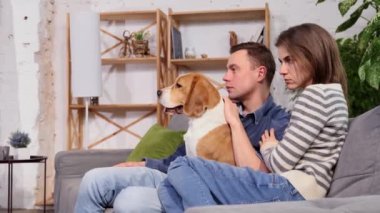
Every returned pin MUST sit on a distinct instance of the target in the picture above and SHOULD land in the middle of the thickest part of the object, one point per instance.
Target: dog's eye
(177, 85)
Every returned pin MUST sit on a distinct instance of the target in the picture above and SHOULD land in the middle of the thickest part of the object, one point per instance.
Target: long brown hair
(315, 48)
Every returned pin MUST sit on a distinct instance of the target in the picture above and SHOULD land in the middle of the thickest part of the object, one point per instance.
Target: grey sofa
(355, 186)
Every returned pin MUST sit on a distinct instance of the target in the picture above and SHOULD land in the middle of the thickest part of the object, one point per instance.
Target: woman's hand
(130, 164)
(231, 112)
(268, 139)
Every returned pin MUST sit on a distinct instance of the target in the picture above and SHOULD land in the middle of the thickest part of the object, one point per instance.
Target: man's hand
(131, 164)
(231, 112)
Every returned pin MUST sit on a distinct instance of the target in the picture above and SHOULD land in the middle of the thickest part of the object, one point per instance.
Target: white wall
(19, 41)
(19, 90)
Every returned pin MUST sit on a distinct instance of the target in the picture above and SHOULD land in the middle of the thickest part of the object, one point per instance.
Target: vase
(190, 53)
(140, 47)
(21, 153)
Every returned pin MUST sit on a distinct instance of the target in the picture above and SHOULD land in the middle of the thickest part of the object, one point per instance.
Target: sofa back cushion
(358, 169)
(179, 122)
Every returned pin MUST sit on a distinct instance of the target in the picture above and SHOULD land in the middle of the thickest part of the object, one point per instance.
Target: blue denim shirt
(269, 115)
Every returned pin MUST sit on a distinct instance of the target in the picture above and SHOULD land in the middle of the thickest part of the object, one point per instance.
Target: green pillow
(157, 143)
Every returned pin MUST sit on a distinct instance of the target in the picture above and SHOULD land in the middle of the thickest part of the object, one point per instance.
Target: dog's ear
(212, 93)
(202, 95)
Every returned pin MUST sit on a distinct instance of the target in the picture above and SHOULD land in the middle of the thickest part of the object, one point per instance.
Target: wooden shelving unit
(159, 58)
(166, 67)
(200, 62)
(176, 19)
(130, 107)
(113, 61)
(218, 15)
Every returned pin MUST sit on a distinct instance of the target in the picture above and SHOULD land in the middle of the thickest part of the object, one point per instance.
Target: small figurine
(190, 53)
(233, 38)
(126, 50)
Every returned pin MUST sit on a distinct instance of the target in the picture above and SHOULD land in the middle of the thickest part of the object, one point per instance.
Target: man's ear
(261, 73)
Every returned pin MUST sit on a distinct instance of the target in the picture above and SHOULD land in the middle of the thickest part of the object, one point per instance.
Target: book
(176, 43)
(260, 38)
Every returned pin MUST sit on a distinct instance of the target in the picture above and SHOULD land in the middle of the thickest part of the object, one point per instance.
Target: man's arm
(245, 154)
(163, 164)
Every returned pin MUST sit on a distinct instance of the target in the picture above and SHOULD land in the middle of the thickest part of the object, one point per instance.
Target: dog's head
(191, 94)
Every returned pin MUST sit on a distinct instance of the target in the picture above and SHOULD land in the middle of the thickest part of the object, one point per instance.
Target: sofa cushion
(358, 169)
(157, 143)
(360, 204)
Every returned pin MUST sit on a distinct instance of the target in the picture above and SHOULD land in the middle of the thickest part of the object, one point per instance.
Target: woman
(302, 163)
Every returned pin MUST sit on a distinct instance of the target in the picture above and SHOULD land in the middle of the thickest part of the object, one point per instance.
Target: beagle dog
(208, 135)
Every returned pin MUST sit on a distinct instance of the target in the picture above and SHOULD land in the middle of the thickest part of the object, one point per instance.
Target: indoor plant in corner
(19, 141)
(361, 54)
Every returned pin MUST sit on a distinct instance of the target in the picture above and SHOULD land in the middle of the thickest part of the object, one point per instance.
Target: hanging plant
(19, 139)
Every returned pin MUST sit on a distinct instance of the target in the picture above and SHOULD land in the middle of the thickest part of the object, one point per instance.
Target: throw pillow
(157, 143)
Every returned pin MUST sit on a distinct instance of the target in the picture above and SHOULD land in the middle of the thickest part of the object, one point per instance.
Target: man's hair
(315, 50)
(259, 55)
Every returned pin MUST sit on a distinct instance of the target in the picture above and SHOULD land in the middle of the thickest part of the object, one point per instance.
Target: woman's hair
(259, 55)
(315, 50)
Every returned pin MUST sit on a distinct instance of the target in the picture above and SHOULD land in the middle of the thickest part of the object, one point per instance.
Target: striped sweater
(307, 154)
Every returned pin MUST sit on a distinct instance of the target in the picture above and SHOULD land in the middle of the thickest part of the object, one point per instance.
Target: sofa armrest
(78, 162)
(70, 166)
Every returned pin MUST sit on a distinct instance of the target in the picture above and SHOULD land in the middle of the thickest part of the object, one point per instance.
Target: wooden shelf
(201, 62)
(150, 20)
(219, 15)
(176, 19)
(142, 60)
(125, 15)
(130, 107)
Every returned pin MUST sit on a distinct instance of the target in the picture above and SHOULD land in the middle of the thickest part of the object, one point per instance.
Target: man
(133, 188)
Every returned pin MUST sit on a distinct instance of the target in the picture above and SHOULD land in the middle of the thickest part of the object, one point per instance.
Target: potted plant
(361, 55)
(140, 43)
(19, 141)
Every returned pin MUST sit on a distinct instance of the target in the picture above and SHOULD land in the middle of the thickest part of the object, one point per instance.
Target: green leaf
(369, 69)
(376, 2)
(362, 70)
(370, 72)
(372, 51)
(345, 5)
(361, 96)
(373, 75)
(371, 30)
(353, 18)
(320, 1)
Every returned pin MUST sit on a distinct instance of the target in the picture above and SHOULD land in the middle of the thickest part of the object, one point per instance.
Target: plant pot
(21, 153)
(140, 47)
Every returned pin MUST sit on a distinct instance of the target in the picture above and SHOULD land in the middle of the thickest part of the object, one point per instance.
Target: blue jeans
(197, 182)
(127, 189)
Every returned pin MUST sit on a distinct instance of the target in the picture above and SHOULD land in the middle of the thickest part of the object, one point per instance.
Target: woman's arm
(309, 117)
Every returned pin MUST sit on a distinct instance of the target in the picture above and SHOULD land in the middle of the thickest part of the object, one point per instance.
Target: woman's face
(295, 74)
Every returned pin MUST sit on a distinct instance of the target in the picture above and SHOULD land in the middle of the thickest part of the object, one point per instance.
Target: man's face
(241, 76)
